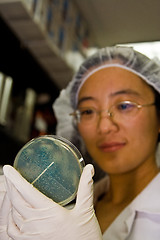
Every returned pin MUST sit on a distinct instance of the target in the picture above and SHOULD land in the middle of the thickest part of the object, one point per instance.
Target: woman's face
(123, 145)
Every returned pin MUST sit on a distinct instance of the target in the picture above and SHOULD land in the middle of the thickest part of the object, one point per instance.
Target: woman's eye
(125, 106)
(87, 111)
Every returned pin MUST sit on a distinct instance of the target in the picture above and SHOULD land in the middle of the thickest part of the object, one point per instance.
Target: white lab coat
(138, 221)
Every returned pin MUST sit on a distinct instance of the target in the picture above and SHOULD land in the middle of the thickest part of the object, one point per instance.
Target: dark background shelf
(17, 62)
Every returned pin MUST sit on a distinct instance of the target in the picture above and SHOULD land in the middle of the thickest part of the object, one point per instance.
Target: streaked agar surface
(53, 165)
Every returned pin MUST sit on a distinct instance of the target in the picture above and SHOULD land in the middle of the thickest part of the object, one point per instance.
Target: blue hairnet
(123, 57)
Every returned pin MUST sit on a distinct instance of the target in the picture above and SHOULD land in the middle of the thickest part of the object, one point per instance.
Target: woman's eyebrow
(121, 92)
(125, 92)
(85, 99)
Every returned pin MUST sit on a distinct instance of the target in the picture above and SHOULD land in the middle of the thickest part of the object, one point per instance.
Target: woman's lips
(111, 147)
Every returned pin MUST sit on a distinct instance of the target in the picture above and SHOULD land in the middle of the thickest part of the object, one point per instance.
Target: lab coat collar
(148, 201)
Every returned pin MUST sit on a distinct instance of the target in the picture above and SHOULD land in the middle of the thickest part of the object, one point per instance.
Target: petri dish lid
(53, 165)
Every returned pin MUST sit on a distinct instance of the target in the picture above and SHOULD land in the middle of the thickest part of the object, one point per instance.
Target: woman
(114, 103)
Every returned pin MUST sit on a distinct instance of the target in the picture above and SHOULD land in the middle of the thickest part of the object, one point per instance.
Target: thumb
(85, 189)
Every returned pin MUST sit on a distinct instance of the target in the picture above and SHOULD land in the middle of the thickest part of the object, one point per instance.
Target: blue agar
(53, 165)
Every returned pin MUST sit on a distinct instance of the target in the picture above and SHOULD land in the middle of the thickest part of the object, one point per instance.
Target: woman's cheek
(86, 132)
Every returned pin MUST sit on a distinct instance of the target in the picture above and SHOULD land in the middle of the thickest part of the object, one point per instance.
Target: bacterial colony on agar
(53, 165)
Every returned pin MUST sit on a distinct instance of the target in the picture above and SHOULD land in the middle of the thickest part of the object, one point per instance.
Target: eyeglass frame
(77, 115)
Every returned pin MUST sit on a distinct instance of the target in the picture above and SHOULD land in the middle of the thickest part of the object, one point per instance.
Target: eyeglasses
(121, 111)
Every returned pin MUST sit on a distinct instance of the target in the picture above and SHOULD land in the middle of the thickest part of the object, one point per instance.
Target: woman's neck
(126, 186)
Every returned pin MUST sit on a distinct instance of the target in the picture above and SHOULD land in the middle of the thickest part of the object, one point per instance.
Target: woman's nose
(106, 123)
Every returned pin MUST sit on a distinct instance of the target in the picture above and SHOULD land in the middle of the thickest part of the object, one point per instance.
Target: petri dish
(53, 165)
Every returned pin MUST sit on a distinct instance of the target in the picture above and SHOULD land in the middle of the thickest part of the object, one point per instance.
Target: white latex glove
(36, 217)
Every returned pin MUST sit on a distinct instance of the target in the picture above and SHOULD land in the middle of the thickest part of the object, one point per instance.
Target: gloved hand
(34, 216)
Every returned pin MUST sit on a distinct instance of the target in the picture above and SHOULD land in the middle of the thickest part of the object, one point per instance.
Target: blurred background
(42, 44)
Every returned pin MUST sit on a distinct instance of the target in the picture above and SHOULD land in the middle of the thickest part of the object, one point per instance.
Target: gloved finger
(31, 195)
(45, 222)
(17, 200)
(14, 232)
(28, 229)
(4, 210)
(17, 218)
(23, 210)
(4, 215)
(85, 189)
(39, 220)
